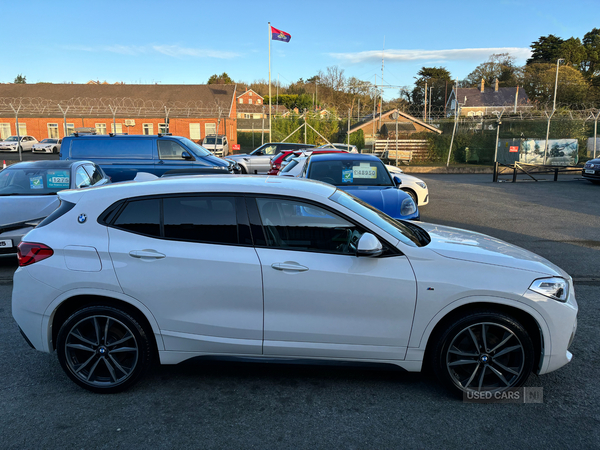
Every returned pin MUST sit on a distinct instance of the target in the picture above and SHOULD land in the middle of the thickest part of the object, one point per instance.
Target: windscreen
(349, 172)
(34, 181)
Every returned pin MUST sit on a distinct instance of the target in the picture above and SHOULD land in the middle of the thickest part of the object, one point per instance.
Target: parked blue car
(365, 177)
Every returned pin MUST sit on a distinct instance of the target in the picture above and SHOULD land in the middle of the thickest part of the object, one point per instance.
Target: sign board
(403, 155)
(514, 149)
(561, 152)
(236, 147)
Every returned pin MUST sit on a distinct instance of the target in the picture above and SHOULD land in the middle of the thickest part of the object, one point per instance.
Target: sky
(185, 42)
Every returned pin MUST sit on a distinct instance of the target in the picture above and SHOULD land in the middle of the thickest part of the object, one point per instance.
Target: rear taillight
(31, 252)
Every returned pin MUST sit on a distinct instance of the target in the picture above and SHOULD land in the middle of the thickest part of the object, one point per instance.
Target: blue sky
(176, 42)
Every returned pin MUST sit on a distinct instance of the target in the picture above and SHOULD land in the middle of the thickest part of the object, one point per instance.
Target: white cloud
(174, 51)
(178, 52)
(475, 54)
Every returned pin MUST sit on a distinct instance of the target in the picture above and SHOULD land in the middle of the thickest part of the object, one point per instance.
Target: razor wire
(105, 106)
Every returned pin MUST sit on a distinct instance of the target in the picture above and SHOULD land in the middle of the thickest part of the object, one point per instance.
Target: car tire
(54, 150)
(483, 351)
(103, 349)
(243, 170)
(412, 195)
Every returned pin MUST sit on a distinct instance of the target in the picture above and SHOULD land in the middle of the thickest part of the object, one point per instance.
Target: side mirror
(186, 155)
(397, 181)
(369, 245)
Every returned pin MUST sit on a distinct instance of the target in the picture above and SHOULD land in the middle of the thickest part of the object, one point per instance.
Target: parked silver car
(28, 194)
(258, 162)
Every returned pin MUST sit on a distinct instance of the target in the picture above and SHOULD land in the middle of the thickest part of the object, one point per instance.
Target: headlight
(423, 185)
(408, 207)
(556, 288)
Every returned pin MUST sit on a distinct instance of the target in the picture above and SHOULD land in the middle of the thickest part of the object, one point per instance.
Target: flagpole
(270, 140)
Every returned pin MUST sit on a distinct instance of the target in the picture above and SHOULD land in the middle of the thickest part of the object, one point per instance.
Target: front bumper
(591, 174)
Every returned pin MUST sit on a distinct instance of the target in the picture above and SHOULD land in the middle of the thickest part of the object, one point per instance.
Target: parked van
(123, 156)
(217, 144)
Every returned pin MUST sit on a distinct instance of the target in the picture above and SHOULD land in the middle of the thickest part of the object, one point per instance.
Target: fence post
(495, 178)
(514, 173)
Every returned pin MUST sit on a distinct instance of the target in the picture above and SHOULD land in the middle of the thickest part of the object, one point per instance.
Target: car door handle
(291, 266)
(146, 254)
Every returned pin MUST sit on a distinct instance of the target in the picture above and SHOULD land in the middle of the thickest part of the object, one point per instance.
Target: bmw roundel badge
(82, 218)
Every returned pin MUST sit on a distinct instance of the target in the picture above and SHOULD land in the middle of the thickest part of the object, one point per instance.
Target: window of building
(4, 130)
(295, 225)
(22, 129)
(163, 128)
(258, 101)
(119, 128)
(100, 128)
(141, 216)
(70, 129)
(148, 128)
(195, 132)
(249, 101)
(241, 100)
(210, 128)
(250, 94)
(201, 219)
(247, 116)
(53, 130)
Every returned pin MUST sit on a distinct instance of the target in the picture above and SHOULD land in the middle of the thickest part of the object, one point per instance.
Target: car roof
(337, 156)
(257, 184)
(46, 164)
(124, 136)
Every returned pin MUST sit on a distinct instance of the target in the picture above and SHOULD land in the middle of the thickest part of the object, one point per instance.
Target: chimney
(482, 85)
(516, 99)
(496, 85)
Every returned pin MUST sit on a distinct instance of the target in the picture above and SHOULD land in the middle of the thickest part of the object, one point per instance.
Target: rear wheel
(483, 351)
(103, 349)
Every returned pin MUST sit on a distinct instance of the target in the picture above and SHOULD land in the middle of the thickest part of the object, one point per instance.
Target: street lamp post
(558, 61)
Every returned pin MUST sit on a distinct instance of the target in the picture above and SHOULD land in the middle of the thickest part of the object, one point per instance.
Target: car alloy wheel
(103, 349)
(484, 352)
(412, 195)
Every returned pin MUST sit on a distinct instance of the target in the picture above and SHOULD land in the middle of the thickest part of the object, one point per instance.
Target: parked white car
(10, 144)
(47, 146)
(280, 268)
(413, 186)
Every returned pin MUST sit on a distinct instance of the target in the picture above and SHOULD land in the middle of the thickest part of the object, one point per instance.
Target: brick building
(53, 110)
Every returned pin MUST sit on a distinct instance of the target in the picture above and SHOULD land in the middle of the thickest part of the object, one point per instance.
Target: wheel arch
(529, 322)
(70, 305)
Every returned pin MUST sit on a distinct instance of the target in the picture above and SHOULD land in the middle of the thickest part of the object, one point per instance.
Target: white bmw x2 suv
(280, 268)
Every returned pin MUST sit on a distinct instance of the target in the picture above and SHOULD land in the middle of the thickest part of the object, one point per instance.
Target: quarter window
(293, 225)
(201, 219)
(94, 173)
(82, 179)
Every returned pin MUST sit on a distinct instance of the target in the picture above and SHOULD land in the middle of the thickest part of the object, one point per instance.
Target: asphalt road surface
(203, 404)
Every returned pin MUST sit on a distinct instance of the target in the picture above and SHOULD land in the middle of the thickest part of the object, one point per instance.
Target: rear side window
(140, 216)
(111, 148)
(62, 209)
(201, 219)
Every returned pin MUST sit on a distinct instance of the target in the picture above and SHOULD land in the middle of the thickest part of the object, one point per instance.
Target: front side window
(267, 150)
(295, 225)
(201, 219)
(168, 149)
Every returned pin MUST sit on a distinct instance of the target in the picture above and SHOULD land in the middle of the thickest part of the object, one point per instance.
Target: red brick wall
(38, 127)
(246, 96)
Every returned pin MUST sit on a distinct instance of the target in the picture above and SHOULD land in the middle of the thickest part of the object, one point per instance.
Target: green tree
(539, 80)
(591, 65)
(20, 79)
(573, 52)
(545, 50)
(500, 66)
(437, 78)
(220, 79)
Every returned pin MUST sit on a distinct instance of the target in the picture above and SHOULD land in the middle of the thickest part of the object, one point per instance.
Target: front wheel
(103, 349)
(412, 195)
(483, 351)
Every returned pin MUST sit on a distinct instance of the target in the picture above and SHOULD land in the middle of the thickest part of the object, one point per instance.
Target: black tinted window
(141, 216)
(295, 225)
(201, 219)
